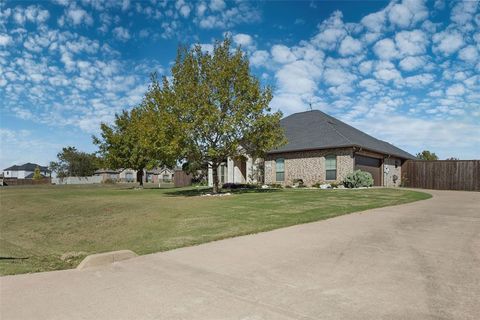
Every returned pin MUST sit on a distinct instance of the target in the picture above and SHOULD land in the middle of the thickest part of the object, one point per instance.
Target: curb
(105, 258)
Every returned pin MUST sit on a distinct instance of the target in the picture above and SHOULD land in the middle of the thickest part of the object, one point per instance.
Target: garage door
(372, 165)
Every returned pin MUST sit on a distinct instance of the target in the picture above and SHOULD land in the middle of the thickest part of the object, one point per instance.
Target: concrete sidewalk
(414, 261)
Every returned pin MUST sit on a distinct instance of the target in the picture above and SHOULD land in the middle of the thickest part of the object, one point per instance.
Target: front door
(372, 165)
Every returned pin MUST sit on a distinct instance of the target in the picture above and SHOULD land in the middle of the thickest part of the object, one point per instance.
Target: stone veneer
(309, 165)
(392, 166)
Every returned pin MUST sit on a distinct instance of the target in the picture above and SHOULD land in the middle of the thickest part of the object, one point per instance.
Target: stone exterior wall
(308, 165)
(392, 167)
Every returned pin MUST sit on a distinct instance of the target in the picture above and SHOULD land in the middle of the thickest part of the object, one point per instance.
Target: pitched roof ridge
(332, 125)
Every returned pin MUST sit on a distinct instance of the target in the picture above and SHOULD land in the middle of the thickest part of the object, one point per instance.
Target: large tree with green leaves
(74, 163)
(123, 145)
(215, 108)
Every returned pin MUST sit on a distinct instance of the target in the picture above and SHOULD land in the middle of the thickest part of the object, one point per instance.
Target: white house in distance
(25, 171)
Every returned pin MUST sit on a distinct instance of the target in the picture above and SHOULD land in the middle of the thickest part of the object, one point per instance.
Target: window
(331, 167)
(222, 173)
(280, 169)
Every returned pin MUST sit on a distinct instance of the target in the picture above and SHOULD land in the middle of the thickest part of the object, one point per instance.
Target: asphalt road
(414, 261)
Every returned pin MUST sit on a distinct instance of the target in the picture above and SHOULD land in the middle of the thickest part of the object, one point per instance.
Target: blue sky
(404, 71)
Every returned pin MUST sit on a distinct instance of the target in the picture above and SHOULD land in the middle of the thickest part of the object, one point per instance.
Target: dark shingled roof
(314, 129)
(27, 167)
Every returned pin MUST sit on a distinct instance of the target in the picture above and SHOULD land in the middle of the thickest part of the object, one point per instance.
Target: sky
(407, 72)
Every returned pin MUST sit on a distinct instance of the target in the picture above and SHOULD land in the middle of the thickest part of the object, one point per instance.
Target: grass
(40, 224)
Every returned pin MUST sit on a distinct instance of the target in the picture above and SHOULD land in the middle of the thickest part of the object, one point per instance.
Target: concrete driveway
(414, 261)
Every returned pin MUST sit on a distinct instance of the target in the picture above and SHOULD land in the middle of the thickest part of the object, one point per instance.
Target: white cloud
(298, 77)
(77, 16)
(469, 54)
(217, 5)
(332, 31)
(218, 15)
(463, 12)
(411, 42)
(412, 63)
(386, 71)
(419, 80)
(385, 49)
(282, 54)
(365, 67)
(374, 22)
(336, 77)
(259, 58)
(5, 40)
(408, 13)
(350, 46)
(121, 34)
(456, 90)
(448, 42)
(33, 14)
(243, 40)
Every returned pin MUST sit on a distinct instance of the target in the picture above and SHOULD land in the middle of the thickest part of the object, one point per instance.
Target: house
(156, 175)
(107, 175)
(320, 148)
(25, 171)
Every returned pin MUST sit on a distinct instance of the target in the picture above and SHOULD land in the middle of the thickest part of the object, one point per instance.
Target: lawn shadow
(203, 191)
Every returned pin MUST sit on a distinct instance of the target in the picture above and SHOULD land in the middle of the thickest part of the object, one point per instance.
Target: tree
(452, 158)
(427, 155)
(214, 108)
(74, 163)
(123, 144)
(36, 174)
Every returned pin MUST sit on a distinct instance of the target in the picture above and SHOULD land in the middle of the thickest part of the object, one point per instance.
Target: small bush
(288, 187)
(316, 185)
(336, 184)
(109, 181)
(298, 183)
(358, 179)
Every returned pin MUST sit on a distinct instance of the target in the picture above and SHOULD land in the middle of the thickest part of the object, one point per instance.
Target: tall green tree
(426, 155)
(74, 163)
(123, 144)
(215, 108)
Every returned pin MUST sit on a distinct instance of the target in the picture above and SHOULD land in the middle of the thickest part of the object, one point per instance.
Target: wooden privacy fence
(182, 179)
(442, 174)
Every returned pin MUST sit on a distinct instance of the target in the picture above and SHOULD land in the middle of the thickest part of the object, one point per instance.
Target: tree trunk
(140, 177)
(215, 177)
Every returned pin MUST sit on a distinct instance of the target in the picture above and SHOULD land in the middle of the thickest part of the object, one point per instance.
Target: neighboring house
(155, 175)
(25, 171)
(107, 174)
(321, 149)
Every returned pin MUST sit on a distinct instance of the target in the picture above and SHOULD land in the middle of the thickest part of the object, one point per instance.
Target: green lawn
(40, 224)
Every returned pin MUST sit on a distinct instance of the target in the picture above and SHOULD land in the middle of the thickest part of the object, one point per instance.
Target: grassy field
(54, 227)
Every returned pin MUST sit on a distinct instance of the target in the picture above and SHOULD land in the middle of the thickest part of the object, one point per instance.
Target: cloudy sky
(407, 72)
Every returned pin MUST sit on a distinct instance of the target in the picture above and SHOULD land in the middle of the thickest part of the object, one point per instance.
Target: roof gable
(317, 130)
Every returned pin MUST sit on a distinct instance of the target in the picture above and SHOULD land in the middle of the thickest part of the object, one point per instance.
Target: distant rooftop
(27, 167)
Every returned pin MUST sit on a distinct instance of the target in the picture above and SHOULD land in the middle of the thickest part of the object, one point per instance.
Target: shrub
(316, 185)
(358, 179)
(336, 184)
(298, 183)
